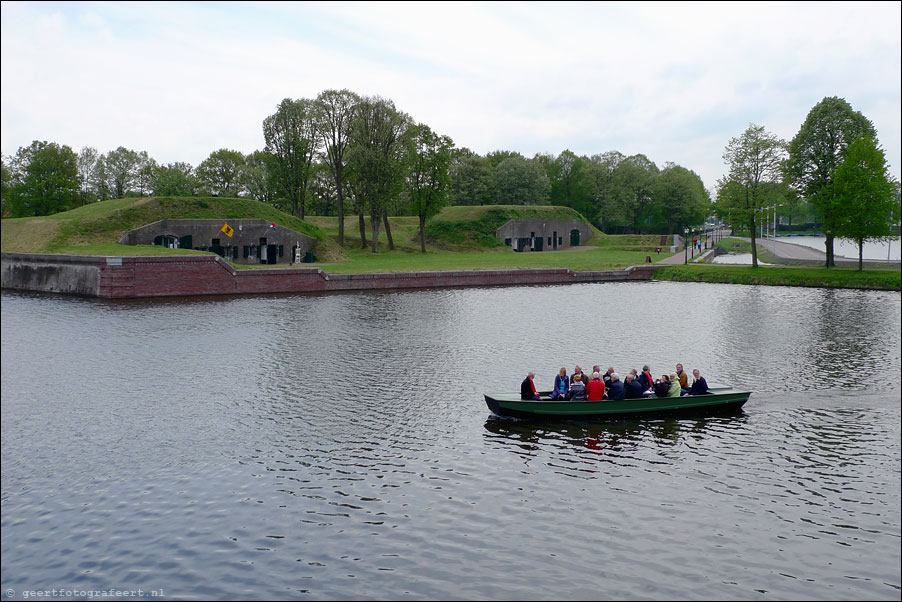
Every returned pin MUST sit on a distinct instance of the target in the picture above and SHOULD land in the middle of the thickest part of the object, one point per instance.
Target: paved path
(793, 253)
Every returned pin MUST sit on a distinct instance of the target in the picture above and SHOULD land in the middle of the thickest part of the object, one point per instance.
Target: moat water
(338, 447)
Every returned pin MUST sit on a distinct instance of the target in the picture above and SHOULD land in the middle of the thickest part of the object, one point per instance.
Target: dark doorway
(554, 244)
(540, 243)
(186, 242)
(272, 254)
(574, 238)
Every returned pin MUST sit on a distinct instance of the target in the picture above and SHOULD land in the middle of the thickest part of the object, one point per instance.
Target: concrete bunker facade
(543, 234)
(242, 241)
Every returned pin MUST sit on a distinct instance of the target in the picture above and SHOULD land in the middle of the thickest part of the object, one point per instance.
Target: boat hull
(721, 400)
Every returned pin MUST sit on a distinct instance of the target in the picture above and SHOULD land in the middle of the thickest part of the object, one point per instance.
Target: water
(338, 447)
(736, 259)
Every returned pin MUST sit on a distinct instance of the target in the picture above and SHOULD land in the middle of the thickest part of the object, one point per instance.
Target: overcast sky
(672, 81)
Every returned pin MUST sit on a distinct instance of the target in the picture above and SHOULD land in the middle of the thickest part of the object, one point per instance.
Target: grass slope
(97, 228)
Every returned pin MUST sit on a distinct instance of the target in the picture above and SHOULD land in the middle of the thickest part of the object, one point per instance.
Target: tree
(681, 197)
(631, 192)
(120, 168)
(257, 177)
(817, 150)
(87, 162)
(174, 179)
(222, 172)
(518, 181)
(43, 179)
(571, 183)
(333, 110)
(376, 157)
(755, 160)
(866, 193)
(429, 156)
(291, 138)
(471, 179)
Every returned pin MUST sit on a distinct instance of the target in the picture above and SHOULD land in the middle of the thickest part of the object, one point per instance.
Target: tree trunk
(423, 233)
(361, 221)
(829, 248)
(374, 230)
(754, 246)
(341, 213)
(391, 242)
(860, 254)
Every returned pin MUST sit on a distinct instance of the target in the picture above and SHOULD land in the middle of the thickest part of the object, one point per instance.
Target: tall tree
(429, 156)
(291, 138)
(866, 193)
(87, 161)
(121, 167)
(174, 179)
(755, 160)
(518, 181)
(44, 179)
(681, 197)
(222, 172)
(257, 177)
(333, 110)
(571, 183)
(376, 156)
(471, 179)
(632, 191)
(817, 150)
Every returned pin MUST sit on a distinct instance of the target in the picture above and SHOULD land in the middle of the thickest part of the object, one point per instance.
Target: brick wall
(135, 277)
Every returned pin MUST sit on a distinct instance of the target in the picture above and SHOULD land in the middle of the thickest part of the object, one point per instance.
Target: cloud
(673, 81)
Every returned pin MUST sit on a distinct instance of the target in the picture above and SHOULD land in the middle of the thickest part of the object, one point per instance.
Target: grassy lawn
(784, 276)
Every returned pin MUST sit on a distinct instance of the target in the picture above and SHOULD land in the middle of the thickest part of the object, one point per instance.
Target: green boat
(719, 399)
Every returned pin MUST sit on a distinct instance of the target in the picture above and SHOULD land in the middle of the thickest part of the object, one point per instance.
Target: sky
(673, 81)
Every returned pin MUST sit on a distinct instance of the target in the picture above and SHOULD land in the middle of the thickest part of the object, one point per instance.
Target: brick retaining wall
(136, 277)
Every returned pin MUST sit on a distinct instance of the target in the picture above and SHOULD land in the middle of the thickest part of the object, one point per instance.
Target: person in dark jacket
(578, 388)
(645, 378)
(528, 387)
(616, 390)
(634, 388)
(662, 386)
(699, 385)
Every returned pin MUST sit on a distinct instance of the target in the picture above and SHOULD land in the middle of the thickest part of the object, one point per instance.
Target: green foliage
(222, 172)
(518, 181)
(866, 194)
(291, 139)
(43, 180)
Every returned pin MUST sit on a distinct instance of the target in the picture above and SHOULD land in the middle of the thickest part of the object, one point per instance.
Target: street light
(686, 245)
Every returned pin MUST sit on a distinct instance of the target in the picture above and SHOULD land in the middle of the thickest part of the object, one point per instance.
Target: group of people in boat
(609, 386)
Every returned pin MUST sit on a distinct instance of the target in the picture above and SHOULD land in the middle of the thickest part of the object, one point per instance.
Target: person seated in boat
(645, 378)
(561, 386)
(675, 389)
(595, 388)
(634, 389)
(578, 371)
(606, 377)
(528, 387)
(699, 384)
(684, 379)
(662, 386)
(616, 392)
(578, 388)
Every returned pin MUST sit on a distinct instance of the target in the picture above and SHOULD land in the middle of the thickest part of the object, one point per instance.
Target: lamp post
(686, 245)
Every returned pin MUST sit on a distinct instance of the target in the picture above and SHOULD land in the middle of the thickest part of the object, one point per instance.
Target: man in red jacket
(595, 388)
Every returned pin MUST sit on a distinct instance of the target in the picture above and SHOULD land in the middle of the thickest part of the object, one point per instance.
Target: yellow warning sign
(227, 230)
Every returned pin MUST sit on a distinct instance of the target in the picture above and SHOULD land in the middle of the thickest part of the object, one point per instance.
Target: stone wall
(542, 235)
(140, 277)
